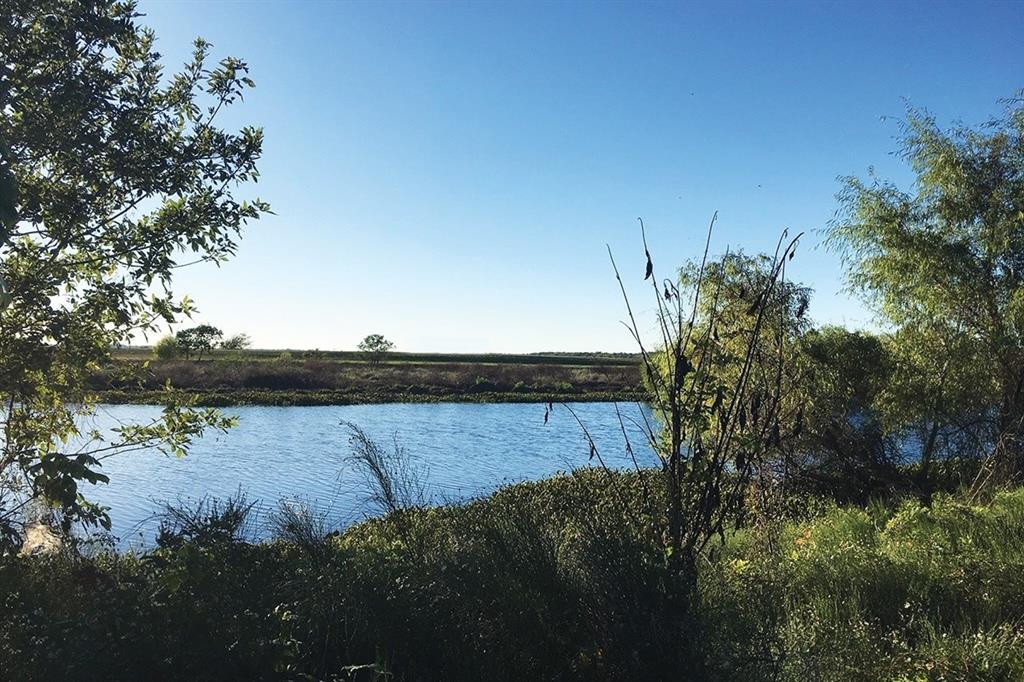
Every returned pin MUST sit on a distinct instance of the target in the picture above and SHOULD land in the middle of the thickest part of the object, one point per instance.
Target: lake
(299, 454)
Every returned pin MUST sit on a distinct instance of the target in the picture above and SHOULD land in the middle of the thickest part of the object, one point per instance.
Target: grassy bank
(313, 378)
(558, 579)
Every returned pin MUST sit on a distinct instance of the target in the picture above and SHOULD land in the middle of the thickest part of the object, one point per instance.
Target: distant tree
(943, 266)
(114, 173)
(375, 347)
(167, 348)
(198, 340)
(236, 342)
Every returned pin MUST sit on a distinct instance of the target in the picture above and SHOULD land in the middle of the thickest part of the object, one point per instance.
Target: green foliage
(743, 305)
(721, 387)
(375, 347)
(904, 592)
(562, 579)
(846, 370)
(847, 448)
(198, 340)
(943, 264)
(167, 348)
(112, 174)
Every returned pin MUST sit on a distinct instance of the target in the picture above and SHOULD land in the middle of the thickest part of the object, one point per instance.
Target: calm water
(298, 453)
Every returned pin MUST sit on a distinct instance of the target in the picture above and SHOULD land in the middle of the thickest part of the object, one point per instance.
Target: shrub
(208, 521)
(167, 348)
(483, 385)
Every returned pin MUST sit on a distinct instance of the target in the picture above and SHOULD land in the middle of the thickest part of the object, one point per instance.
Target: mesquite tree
(943, 266)
(198, 340)
(375, 347)
(113, 174)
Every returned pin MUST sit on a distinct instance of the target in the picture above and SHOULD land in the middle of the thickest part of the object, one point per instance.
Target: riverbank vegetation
(560, 579)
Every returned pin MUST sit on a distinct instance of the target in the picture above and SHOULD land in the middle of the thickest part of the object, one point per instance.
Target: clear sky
(449, 174)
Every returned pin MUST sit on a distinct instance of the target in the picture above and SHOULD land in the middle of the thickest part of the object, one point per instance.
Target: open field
(340, 378)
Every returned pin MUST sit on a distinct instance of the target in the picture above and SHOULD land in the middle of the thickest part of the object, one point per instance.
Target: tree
(375, 347)
(236, 342)
(112, 175)
(943, 266)
(727, 292)
(848, 449)
(198, 340)
(714, 385)
(167, 348)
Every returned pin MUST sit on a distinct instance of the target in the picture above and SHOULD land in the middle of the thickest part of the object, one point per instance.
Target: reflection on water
(299, 453)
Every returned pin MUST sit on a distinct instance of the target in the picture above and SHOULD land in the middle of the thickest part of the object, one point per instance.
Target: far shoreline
(270, 398)
(308, 378)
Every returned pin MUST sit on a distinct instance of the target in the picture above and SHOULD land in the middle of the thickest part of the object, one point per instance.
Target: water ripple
(299, 453)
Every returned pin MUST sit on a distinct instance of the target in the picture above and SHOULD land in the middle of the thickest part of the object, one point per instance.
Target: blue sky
(449, 174)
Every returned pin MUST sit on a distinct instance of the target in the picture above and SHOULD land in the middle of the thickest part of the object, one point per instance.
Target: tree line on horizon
(203, 339)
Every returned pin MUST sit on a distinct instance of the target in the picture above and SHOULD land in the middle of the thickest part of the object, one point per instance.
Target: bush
(483, 385)
(167, 348)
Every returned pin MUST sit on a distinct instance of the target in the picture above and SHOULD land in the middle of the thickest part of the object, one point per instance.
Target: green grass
(559, 579)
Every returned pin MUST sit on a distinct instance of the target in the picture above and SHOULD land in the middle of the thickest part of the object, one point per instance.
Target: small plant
(205, 522)
(714, 381)
(395, 485)
(483, 384)
(301, 525)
